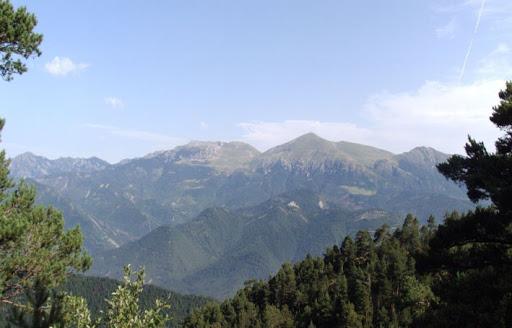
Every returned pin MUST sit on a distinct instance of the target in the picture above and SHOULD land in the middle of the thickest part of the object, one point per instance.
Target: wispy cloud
(114, 102)
(436, 114)
(448, 30)
(498, 64)
(139, 135)
(62, 66)
(472, 40)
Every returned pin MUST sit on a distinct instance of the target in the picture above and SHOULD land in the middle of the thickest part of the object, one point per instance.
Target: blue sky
(119, 79)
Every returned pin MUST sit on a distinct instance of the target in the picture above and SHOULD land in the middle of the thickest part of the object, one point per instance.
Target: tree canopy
(34, 246)
(471, 254)
(367, 282)
(18, 40)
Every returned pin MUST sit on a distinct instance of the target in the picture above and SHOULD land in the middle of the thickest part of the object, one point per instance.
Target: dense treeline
(370, 281)
(384, 280)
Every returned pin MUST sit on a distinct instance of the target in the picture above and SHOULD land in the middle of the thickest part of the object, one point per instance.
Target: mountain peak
(224, 156)
(310, 136)
(310, 139)
(312, 150)
(424, 154)
(424, 150)
(28, 155)
(304, 144)
(202, 143)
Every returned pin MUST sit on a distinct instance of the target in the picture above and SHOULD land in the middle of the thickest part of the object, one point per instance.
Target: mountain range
(206, 216)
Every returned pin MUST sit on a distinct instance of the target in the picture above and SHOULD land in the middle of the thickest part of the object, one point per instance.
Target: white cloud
(447, 31)
(203, 125)
(264, 135)
(114, 102)
(159, 140)
(437, 115)
(62, 66)
(498, 64)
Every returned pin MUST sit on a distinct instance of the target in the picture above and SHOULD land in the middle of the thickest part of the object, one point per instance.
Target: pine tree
(43, 309)
(364, 283)
(36, 253)
(472, 252)
(18, 41)
(34, 247)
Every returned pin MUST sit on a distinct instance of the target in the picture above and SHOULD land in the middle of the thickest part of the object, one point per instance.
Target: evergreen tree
(34, 247)
(18, 41)
(43, 309)
(472, 252)
(36, 253)
(364, 283)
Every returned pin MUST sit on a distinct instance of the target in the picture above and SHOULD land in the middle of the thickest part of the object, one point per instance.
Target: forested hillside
(216, 252)
(368, 281)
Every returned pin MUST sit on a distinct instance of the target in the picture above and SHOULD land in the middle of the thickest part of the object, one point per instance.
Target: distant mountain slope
(124, 201)
(216, 252)
(28, 165)
(103, 228)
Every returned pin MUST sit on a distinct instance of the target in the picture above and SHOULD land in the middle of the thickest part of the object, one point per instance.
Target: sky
(120, 79)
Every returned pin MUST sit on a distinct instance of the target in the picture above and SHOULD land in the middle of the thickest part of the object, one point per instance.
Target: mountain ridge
(29, 165)
(305, 138)
(118, 203)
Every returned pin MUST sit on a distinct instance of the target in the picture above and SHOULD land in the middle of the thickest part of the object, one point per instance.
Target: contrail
(470, 46)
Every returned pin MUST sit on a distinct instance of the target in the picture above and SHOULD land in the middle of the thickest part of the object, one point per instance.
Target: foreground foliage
(18, 41)
(96, 291)
(471, 255)
(123, 310)
(35, 250)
